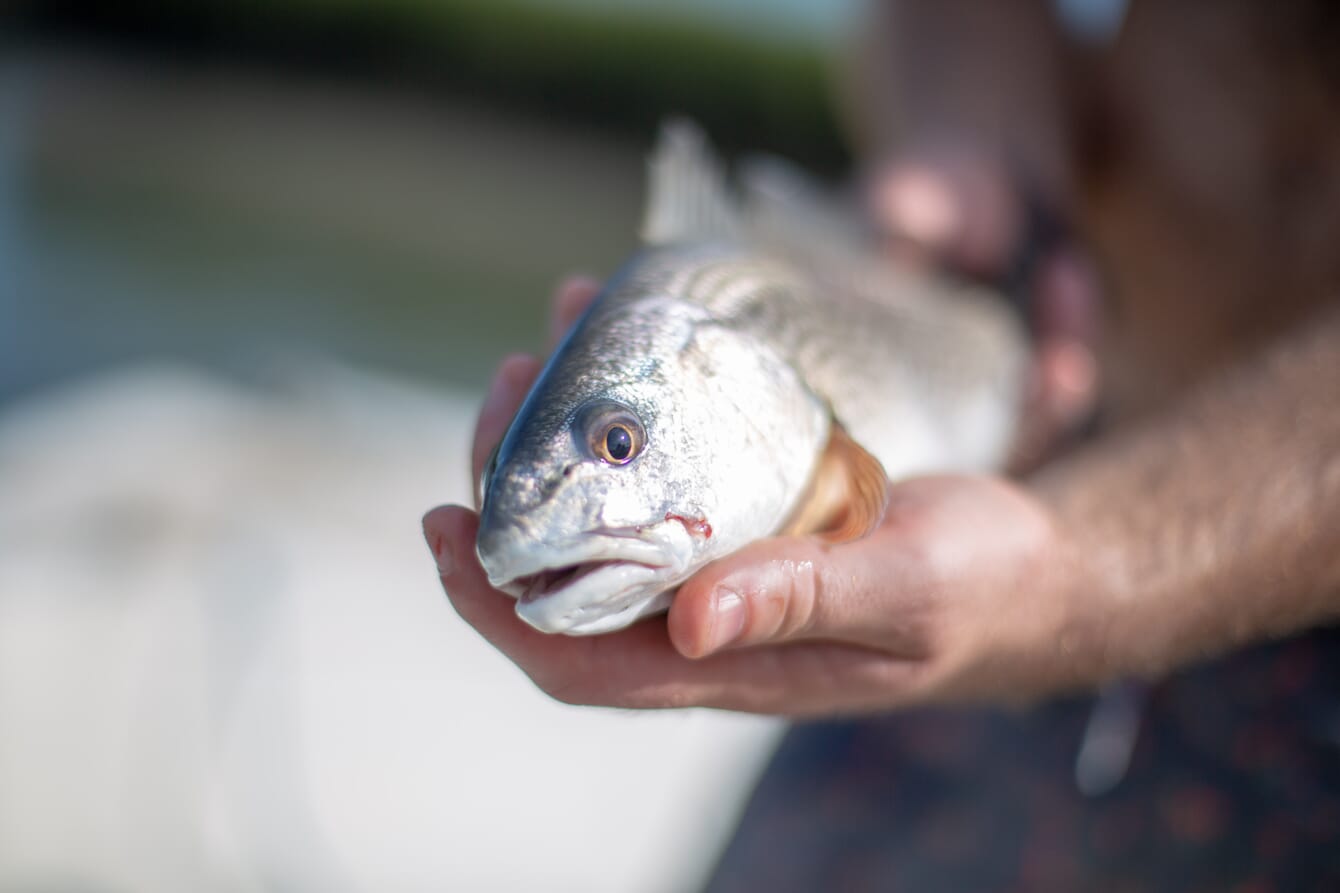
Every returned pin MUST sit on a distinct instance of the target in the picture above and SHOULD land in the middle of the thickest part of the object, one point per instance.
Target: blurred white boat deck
(226, 662)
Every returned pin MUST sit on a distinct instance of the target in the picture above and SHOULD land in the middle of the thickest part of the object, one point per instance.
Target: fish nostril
(568, 470)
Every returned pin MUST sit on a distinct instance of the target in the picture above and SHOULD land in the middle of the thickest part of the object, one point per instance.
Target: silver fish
(756, 368)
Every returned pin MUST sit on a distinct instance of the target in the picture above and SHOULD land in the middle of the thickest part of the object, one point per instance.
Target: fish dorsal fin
(777, 209)
(790, 214)
(847, 494)
(688, 200)
(786, 207)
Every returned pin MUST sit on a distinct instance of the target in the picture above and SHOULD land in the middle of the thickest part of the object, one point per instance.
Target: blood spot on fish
(695, 526)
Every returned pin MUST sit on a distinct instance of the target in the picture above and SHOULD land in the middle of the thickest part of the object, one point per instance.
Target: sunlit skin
(973, 588)
(840, 639)
(1207, 519)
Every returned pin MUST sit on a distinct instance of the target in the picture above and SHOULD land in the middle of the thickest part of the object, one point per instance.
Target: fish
(756, 368)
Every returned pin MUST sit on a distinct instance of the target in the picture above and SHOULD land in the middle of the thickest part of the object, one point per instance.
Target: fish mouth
(603, 583)
(553, 580)
(590, 597)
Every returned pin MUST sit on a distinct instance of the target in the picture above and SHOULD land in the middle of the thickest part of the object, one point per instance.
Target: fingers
(1064, 381)
(799, 589)
(450, 531)
(951, 206)
(1068, 296)
(891, 591)
(639, 668)
(513, 379)
(767, 592)
(946, 204)
(574, 295)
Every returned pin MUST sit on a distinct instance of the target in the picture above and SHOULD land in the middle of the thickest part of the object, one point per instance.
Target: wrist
(1064, 616)
(1027, 620)
(1084, 607)
(1102, 632)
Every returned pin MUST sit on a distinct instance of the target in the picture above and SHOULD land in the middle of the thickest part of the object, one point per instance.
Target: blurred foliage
(615, 69)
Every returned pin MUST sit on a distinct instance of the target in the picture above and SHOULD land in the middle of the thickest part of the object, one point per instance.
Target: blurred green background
(398, 184)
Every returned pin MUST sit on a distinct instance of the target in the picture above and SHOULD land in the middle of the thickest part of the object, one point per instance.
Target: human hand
(961, 593)
(950, 206)
(960, 112)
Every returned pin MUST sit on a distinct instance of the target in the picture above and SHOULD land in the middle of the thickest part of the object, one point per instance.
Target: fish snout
(498, 543)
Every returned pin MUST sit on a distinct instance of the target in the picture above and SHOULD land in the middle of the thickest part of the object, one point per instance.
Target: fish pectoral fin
(847, 494)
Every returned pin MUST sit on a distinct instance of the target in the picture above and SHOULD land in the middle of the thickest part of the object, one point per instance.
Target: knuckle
(923, 558)
(791, 598)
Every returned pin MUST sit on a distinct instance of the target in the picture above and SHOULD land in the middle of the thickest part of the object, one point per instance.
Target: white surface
(226, 664)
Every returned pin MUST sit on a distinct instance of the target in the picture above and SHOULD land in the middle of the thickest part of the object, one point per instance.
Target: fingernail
(728, 615)
(441, 554)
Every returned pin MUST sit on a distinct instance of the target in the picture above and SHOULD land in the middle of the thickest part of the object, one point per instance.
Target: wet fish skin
(739, 348)
(732, 435)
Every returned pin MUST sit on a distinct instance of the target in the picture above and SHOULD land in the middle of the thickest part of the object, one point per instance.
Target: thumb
(778, 590)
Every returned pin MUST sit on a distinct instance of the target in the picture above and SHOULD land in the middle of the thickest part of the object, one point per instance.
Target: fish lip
(604, 545)
(638, 563)
(638, 590)
(535, 587)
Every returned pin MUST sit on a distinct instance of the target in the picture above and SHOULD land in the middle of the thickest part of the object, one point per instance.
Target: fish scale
(753, 358)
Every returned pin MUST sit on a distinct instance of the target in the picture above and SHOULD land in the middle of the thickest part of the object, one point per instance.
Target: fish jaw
(607, 599)
(591, 583)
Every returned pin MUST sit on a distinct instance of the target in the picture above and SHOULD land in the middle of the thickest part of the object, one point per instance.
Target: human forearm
(1214, 525)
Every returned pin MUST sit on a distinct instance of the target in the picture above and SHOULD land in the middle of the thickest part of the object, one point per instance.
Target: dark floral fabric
(1233, 784)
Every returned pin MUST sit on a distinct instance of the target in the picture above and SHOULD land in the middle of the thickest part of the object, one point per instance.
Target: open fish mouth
(602, 583)
(549, 582)
(590, 597)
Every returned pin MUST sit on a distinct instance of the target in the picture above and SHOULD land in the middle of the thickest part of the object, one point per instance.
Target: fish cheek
(632, 497)
(622, 508)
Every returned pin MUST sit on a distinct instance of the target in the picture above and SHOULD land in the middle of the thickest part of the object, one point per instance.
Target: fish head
(619, 478)
(575, 522)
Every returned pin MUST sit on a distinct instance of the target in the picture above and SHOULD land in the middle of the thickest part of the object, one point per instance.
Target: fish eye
(613, 433)
(618, 443)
